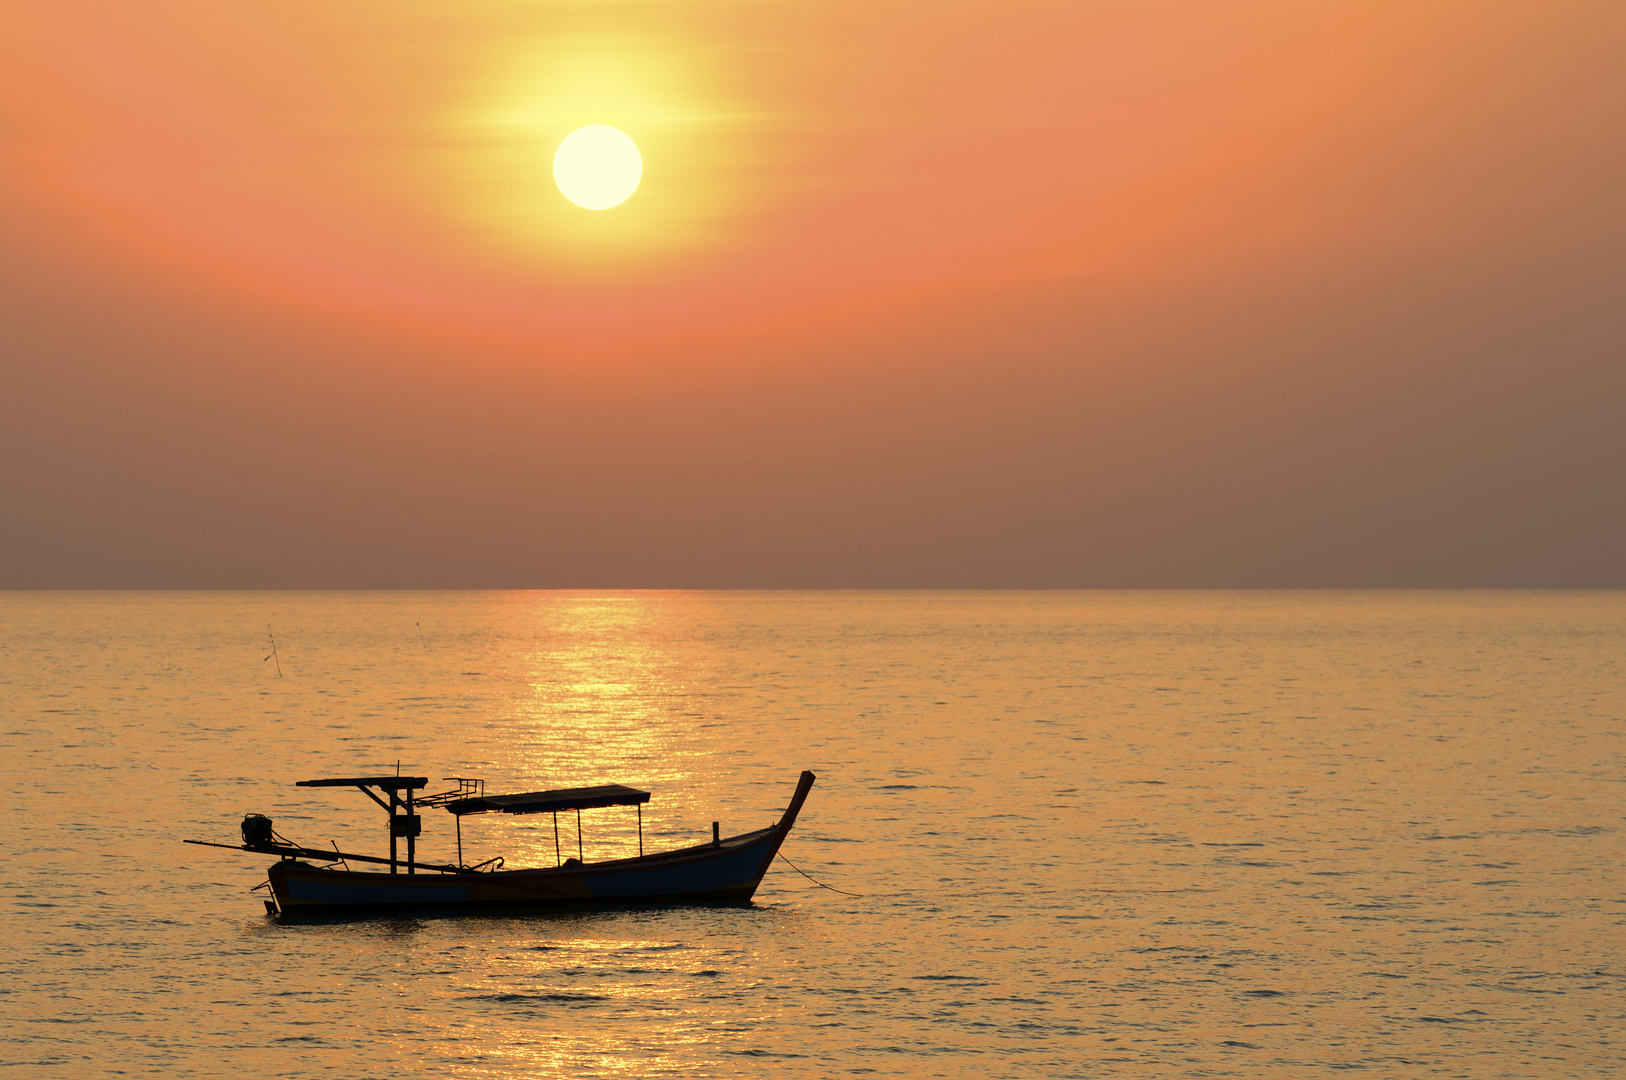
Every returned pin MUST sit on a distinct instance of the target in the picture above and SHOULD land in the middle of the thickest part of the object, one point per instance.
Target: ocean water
(1089, 834)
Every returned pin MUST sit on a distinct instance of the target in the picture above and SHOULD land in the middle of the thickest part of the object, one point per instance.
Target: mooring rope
(816, 881)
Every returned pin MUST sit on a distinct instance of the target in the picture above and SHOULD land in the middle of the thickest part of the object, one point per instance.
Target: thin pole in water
(273, 655)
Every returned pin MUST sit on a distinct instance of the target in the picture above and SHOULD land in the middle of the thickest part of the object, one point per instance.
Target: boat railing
(467, 788)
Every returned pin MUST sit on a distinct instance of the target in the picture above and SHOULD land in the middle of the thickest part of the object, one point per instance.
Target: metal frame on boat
(725, 871)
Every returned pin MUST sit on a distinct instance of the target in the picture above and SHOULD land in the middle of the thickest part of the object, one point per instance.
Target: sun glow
(597, 167)
(501, 171)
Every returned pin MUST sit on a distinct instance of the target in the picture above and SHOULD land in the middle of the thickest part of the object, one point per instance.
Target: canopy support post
(558, 859)
(579, 856)
(640, 808)
(459, 819)
(412, 839)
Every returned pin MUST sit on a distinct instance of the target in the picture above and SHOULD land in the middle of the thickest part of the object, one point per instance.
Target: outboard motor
(257, 831)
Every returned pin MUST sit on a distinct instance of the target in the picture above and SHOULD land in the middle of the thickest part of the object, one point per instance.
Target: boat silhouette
(725, 871)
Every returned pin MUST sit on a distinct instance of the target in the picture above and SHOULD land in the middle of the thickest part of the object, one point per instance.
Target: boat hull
(724, 873)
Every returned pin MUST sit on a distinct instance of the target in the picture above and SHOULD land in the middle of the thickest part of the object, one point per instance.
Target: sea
(1054, 834)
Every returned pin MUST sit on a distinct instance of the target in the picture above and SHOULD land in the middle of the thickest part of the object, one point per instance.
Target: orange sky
(872, 240)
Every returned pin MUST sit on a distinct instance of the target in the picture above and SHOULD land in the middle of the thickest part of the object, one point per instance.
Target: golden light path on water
(592, 689)
(1108, 834)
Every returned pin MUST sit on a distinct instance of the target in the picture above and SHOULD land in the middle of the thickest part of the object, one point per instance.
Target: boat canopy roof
(385, 783)
(542, 802)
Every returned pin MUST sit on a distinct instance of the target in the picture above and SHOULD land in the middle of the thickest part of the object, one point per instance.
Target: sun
(597, 167)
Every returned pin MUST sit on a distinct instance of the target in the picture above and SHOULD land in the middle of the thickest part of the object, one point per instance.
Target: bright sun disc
(597, 167)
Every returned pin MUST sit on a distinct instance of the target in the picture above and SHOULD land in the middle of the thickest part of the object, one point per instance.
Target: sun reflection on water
(571, 983)
(606, 691)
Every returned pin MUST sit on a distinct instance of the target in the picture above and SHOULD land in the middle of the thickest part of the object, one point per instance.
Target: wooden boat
(725, 871)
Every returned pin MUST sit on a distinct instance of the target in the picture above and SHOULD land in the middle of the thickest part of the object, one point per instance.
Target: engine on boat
(257, 831)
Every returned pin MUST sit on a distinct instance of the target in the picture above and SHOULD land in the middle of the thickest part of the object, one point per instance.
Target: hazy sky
(1133, 293)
